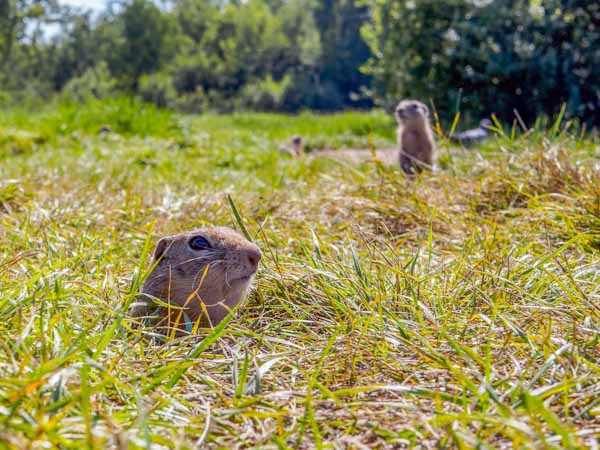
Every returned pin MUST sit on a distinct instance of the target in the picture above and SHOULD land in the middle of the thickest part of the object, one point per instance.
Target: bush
(496, 57)
(264, 95)
(95, 83)
(157, 89)
(307, 92)
(192, 102)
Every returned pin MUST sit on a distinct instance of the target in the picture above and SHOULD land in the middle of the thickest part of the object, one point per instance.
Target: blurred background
(474, 56)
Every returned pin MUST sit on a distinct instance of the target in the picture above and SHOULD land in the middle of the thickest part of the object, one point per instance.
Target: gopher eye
(198, 243)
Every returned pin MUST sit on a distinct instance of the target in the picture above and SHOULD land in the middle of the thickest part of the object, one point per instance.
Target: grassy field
(458, 310)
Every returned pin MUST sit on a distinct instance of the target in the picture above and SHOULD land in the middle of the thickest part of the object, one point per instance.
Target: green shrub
(263, 95)
(95, 83)
(192, 102)
(490, 56)
(157, 89)
(306, 91)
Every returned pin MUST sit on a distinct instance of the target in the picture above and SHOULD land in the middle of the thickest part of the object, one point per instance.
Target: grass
(124, 115)
(461, 309)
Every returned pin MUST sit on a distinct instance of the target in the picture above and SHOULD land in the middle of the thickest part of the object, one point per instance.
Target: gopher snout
(253, 256)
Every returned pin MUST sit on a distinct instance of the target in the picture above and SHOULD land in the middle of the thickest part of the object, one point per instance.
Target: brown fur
(207, 282)
(415, 138)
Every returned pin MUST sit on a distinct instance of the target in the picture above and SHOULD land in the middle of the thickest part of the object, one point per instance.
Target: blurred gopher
(415, 138)
(104, 130)
(294, 147)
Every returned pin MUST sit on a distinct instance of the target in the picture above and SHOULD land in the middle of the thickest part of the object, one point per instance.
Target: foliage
(76, 53)
(490, 56)
(15, 15)
(264, 95)
(95, 82)
(202, 54)
(473, 57)
(458, 309)
(144, 30)
(308, 91)
(343, 49)
(158, 89)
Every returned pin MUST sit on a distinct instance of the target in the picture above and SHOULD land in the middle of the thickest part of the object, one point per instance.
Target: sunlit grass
(460, 309)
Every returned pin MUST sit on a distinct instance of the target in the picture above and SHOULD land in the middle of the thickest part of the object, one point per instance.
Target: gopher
(203, 274)
(294, 147)
(415, 137)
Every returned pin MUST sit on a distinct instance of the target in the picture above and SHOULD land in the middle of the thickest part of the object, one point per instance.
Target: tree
(144, 38)
(14, 16)
(76, 50)
(343, 49)
(242, 44)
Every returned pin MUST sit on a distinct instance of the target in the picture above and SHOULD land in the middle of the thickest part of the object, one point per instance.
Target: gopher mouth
(246, 278)
(242, 279)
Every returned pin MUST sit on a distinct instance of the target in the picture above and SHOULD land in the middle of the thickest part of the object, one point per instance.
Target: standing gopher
(415, 138)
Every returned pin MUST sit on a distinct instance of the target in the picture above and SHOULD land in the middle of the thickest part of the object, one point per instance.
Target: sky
(95, 5)
(52, 29)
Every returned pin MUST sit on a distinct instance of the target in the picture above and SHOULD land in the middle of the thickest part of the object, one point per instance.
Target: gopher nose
(253, 256)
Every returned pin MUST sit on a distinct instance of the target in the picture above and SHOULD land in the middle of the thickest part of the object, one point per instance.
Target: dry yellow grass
(459, 309)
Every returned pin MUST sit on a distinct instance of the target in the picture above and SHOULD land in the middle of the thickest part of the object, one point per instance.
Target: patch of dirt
(387, 156)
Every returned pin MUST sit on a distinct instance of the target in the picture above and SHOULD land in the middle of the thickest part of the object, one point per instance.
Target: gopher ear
(425, 110)
(161, 247)
(397, 112)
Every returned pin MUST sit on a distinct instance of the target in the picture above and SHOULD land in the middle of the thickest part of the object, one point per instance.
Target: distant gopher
(294, 147)
(203, 274)
(415, 138)
(104, 130)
